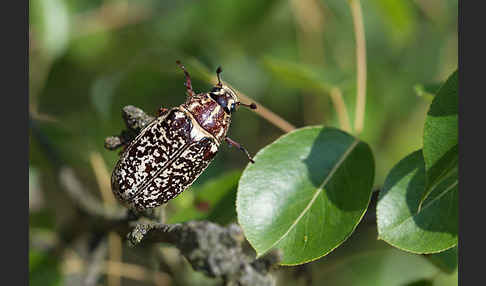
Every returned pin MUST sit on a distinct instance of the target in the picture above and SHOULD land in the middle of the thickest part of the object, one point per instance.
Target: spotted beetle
(170, 153)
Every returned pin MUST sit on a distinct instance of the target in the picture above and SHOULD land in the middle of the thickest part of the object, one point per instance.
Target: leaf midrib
(424, 207)
(317, 193)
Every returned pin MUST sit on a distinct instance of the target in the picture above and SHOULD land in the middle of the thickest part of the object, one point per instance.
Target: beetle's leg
(188, 84)
(238, 145)
(115, 142)
(161, 111)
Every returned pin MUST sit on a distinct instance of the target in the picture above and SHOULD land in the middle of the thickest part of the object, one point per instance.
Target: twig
(268, 114)
(360, 64)
(95, 264)
(114, 240)
(214, 250)
(102, 178)
(126, 270)
(115, 255)
(85, 200)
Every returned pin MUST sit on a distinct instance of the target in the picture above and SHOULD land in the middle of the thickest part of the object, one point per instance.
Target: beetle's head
(226, 97)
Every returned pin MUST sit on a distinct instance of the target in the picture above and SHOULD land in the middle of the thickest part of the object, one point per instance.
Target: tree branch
(214, 250)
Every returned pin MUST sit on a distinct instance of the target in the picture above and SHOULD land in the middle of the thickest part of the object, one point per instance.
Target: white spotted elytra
(170, 153)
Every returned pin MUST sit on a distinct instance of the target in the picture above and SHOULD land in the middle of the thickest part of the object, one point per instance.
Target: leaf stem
(357, 15)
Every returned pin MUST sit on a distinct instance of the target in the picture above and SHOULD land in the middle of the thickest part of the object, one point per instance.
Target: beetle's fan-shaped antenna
(218, 73)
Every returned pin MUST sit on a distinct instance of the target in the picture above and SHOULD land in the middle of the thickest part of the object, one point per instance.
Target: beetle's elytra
(170, 153)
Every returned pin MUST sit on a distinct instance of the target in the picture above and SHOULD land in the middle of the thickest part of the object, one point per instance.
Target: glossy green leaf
(440, 134)
(445, 260)
(306, 193)
(401, 224)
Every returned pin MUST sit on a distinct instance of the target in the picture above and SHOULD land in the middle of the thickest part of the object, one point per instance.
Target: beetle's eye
(233, 106)
(222, 101)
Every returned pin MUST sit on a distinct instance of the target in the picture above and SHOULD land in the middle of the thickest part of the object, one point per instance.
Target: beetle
(170, 153)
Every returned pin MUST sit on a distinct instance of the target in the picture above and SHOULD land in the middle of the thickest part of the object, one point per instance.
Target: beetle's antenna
(251, 106)
(218, 73)
(188, 84)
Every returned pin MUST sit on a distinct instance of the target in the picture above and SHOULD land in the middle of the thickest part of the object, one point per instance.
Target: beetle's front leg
(238, 145)
(188, 84)
(161, 111)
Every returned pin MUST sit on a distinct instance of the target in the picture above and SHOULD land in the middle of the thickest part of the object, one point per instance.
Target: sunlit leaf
(305, 193)
(401, 224)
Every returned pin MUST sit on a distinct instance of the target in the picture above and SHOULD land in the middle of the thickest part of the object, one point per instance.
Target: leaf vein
(318, 191)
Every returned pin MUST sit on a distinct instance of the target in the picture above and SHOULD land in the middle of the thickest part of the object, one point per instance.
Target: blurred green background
(88, 59)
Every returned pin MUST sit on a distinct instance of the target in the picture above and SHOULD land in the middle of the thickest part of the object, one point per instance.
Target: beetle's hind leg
(238, 145)
(188, 84)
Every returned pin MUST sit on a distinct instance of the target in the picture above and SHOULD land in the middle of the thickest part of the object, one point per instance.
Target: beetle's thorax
(209, 114)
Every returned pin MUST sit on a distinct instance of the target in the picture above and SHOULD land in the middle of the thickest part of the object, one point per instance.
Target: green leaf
(445, 260)
(214, 201)
(306, 193)
(440, 135)
(401, 224)
(365, 261)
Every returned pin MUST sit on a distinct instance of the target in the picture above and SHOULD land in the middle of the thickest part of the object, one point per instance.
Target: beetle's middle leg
(188, 84)
(238, 145)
